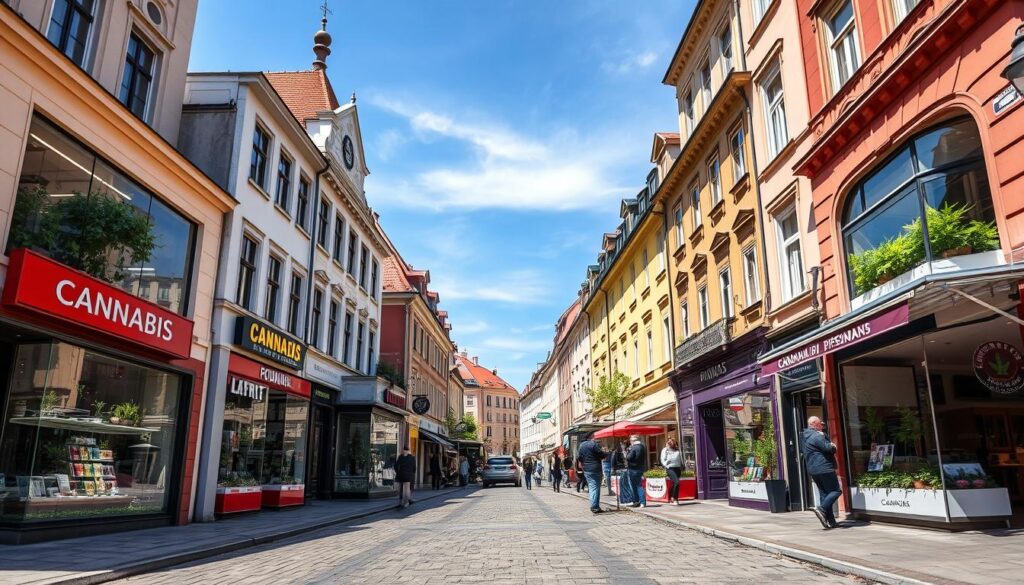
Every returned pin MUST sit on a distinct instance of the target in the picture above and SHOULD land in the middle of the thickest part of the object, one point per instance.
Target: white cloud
(520, 287)
(632, 61)
(470, 328)
(388, 143)
(509, 170)
(520, 344)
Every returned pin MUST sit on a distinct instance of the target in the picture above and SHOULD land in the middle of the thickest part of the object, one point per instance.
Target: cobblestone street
(500, 535)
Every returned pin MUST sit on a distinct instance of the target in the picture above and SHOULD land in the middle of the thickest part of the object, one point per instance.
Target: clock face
(348, 152)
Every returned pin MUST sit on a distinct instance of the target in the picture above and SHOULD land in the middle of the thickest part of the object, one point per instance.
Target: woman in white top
(672, 461)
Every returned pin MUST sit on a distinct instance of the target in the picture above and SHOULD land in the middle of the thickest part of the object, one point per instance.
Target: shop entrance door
(321, 450)
(715, 476)
(800, 406)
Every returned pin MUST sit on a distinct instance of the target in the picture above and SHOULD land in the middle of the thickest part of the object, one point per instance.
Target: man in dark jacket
(820, 460)
(589, 456)
(405, 473)
(636, 465)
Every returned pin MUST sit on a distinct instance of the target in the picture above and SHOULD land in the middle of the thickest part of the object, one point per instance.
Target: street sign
(460, 427)
(543, 415)
(420, 404)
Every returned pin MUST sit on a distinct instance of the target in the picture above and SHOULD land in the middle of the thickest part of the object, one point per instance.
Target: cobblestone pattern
(498, 536)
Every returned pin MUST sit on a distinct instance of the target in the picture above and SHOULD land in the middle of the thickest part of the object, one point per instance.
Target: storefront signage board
(269, 342)
(927, 503)
(394, 398)
(841, 338)
(247, 388)
(748, 490)
(43, 286)
(322, 371)
(420, 404)
(1000, 367)
(543, 415)
(273, 378)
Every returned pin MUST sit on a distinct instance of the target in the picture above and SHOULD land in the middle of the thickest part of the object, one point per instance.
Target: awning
(933, 293)
(434, 437)
(627, 428)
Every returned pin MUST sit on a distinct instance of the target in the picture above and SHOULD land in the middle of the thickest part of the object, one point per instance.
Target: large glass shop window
(86, 435)
(749, 436)
(353, 452)
(242, 443)
(285, 444)
(79, 210)
(383, 452)
(939, 174)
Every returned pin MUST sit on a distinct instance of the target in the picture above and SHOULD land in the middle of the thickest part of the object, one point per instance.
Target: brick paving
(497, 536)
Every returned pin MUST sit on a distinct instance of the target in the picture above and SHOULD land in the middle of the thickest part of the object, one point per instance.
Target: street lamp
(1014, 72)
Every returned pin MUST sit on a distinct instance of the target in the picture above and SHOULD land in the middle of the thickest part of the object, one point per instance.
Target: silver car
(500, 470)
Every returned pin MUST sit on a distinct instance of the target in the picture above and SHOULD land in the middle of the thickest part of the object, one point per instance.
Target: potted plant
(687, 485)
(951, 232)
(126, 413)
(767, 458)
(238, 493)
(657, 484)
(926, 477)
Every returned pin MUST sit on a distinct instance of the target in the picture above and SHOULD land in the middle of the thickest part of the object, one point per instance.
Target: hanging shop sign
(841, 338)
(998, 366)
(245, 368)
(41, 285)
(394, 398)
(269, 342)
(420, 404)
(543, 415)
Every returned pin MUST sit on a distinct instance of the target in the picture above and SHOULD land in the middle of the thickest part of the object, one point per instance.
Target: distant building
(494, 403)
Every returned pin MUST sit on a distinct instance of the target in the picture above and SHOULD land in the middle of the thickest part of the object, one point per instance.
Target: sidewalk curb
(146, 566)
(829, 563)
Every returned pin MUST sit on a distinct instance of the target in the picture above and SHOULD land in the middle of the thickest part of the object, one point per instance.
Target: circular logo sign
(420, 404)
(998, 366)
(348, 152)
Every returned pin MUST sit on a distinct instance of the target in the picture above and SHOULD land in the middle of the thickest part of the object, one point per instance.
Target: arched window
(938, 174)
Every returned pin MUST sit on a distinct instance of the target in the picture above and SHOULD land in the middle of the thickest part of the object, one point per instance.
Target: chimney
(495, 371)
(464, 354)
(476, 361)
(322, 43)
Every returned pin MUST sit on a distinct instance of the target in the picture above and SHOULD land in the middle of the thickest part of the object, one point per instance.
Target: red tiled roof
(306, 93)
(668, 136)
(484, 377)
(566, 323)
(394, 276)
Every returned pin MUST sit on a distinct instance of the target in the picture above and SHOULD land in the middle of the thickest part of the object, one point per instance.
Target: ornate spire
(322, 41)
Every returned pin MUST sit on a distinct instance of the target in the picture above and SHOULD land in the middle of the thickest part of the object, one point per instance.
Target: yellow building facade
(629, 311)
(717, 256)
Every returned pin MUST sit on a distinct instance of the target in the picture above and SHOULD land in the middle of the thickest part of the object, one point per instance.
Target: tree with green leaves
(614, 394)
(468, 429)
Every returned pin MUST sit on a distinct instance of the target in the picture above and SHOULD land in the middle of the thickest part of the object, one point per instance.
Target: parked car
(500, 470)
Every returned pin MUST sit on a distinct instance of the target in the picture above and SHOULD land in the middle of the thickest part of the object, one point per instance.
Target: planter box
(657, 488)
(937, 266)
(282, 496)
(748, 490)
(969, 504)
(688, 488)
(231, 500)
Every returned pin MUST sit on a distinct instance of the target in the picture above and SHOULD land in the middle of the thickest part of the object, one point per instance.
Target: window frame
(272, 300)
(737, 154)
(296, 284)
(283, 186)
(302, 202)
(87, 45)
(695, 213)
(775, 110)
(337, 253)
(725, 292)
(248, 270)
(703, 306)
(789, 290)
(258, 174)
(715, 180)
(131, 67)
(684, 319)
(316, 316)
(725, 48)
(834, 41)
(332, 326)
(323, 222)
(680, 232)
(346, 348)
(751, 280)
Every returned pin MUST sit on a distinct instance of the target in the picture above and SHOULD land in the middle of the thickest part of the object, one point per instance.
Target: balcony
(714, 336)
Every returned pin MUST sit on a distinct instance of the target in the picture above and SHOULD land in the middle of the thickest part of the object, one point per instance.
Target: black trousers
(556, 484)
(435, 481)
(673, 474)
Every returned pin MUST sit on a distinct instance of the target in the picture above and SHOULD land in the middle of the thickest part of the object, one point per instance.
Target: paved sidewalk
(97, 559)
(881, 552)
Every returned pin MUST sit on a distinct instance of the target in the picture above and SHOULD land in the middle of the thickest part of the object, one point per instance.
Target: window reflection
(83, 212)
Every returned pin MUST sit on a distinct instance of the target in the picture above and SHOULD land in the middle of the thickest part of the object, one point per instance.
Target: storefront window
(241, 451)
(86, 435)
(353, 450)
(383, 452)
(941, 173)
(749, 436)
(284, 460)
(688, 447)
(83, 212)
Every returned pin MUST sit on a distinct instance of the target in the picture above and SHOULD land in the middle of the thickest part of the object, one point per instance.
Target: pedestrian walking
(608, 469)
(435, 471)
(672, 461)
(405, 473)
(589, 455)
(539, 468)
(556, 473)
(528, 472)
(463, 471)
(820, 460)
(636, 465)
(566, 467)
(618, 470)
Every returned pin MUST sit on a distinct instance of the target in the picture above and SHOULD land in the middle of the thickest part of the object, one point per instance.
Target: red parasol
(626, 428)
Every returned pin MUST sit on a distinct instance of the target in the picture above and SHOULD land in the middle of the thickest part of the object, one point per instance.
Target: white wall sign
(748, 490)
(323, 372)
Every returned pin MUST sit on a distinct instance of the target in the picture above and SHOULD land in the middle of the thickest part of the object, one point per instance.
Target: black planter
(776, 489)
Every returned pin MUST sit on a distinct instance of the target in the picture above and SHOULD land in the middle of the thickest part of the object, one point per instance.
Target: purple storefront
(726, 417)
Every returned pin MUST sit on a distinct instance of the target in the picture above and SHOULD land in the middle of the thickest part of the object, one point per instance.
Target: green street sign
(543, 415)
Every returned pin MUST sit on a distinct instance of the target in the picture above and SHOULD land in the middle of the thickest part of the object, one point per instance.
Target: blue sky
(500, 136)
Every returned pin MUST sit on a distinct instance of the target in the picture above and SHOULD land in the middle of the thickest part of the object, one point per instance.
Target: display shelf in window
(84, 425)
